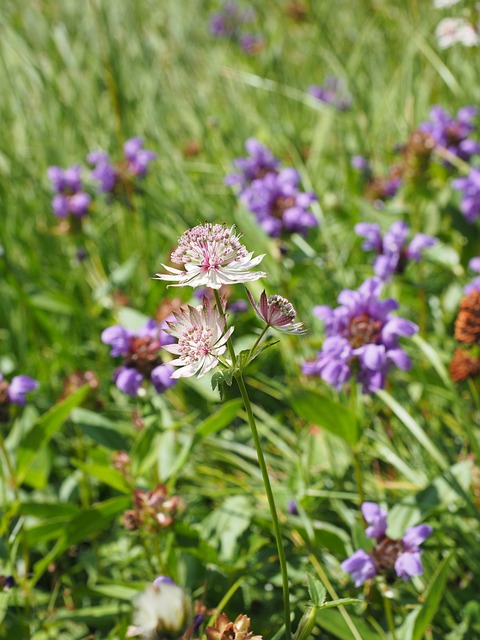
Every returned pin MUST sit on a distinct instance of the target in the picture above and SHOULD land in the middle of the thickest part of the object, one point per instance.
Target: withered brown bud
(224, 629)
(463, 366)
(467, 324)
(131, 520)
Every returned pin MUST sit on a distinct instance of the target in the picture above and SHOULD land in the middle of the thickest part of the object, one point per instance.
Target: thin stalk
(271, 502)
(257, 341)
(387, 605)
(222, 313)
(356, 449)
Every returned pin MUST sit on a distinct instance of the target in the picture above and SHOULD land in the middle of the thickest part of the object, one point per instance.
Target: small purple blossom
(453, 134)
(474, 285)
(278, 204)
(333, 92)
(70, 198)
(361, 337)
(141, 356)
(470, 188)
(135, 165)
(137, 158)
(229, 20)
(392, 250)
(401, 557)
(15, 391)
(260, 160)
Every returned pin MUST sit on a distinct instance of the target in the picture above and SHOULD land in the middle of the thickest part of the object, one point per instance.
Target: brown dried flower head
(463, 365)
(224, 629)
(467, 324)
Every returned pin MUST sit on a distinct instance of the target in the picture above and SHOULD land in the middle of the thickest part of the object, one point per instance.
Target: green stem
(271, 502)
(222, 313)
(257, 341)
(387, 605)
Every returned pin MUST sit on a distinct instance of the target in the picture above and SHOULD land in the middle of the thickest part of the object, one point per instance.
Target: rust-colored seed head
(226, 630)
(463, 366)
(467, 324)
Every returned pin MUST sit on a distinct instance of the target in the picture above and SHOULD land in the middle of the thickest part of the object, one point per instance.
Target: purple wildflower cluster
(14, 392)
(272, 194)
(470, 188)
(141, 360)
(389, 557)
(70, 197)
(392, 250)
(134, 165)
(362, 339)
(228, 23)
(333, 92)
(453, 134)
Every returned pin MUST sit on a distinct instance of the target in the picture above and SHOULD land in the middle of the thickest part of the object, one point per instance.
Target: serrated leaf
(317, 591)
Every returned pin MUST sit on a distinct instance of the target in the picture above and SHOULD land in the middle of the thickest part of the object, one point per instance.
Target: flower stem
(257, 341)
(271, 502)
(222, 313)
(387, 605)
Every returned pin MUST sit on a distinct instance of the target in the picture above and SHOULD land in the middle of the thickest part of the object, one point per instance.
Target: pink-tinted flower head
(212, 256)
(277, 312)
(202, 339)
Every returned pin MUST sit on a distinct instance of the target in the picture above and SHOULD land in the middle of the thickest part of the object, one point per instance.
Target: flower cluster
(466, 361)
(135, 165)
(389, 557)
(70, 198)
(452, 31)
(228, 23)
(333, 92)
(272, 194)
(14, 392)
(378, 189)
(141, 358)
(392, 250)
(453, 134)
(224, 629)
(362, 339)
(152, 509)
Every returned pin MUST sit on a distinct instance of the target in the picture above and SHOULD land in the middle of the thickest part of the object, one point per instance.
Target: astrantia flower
(389, 556)
(15, 391)
(141, 356)
(392, 249)
(449, 31)
(362, 337)
(202, 338)
(279, 205)
(470, 188)
(277, 312)
(162, 608)
(70, 198)
(212, 256)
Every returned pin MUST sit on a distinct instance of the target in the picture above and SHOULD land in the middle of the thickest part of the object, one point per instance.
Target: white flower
(201, 339)
(444, 4)
(161, 607)
(212, 255)
(449, 31)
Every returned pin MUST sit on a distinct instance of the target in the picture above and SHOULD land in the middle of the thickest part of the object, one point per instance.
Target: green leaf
(45, 428)
(220, 419)
(332, 621)
(316, 590)
(108, 475)
(311, 405)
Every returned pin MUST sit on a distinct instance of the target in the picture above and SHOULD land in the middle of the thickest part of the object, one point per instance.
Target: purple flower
(16, 391)
(376, 518)
(392, 249)
(141, 356)
(470, 186)
(137, 157)
(333, 91)
(227, 22)
(278, 204)
(260, 160)
(474, 285)
(163, 580)
(292, 508)
(103, 172)
(70, 198)
(251, 42)
(362, 336)
(389, 556)
(360, 566)
(453, 133)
